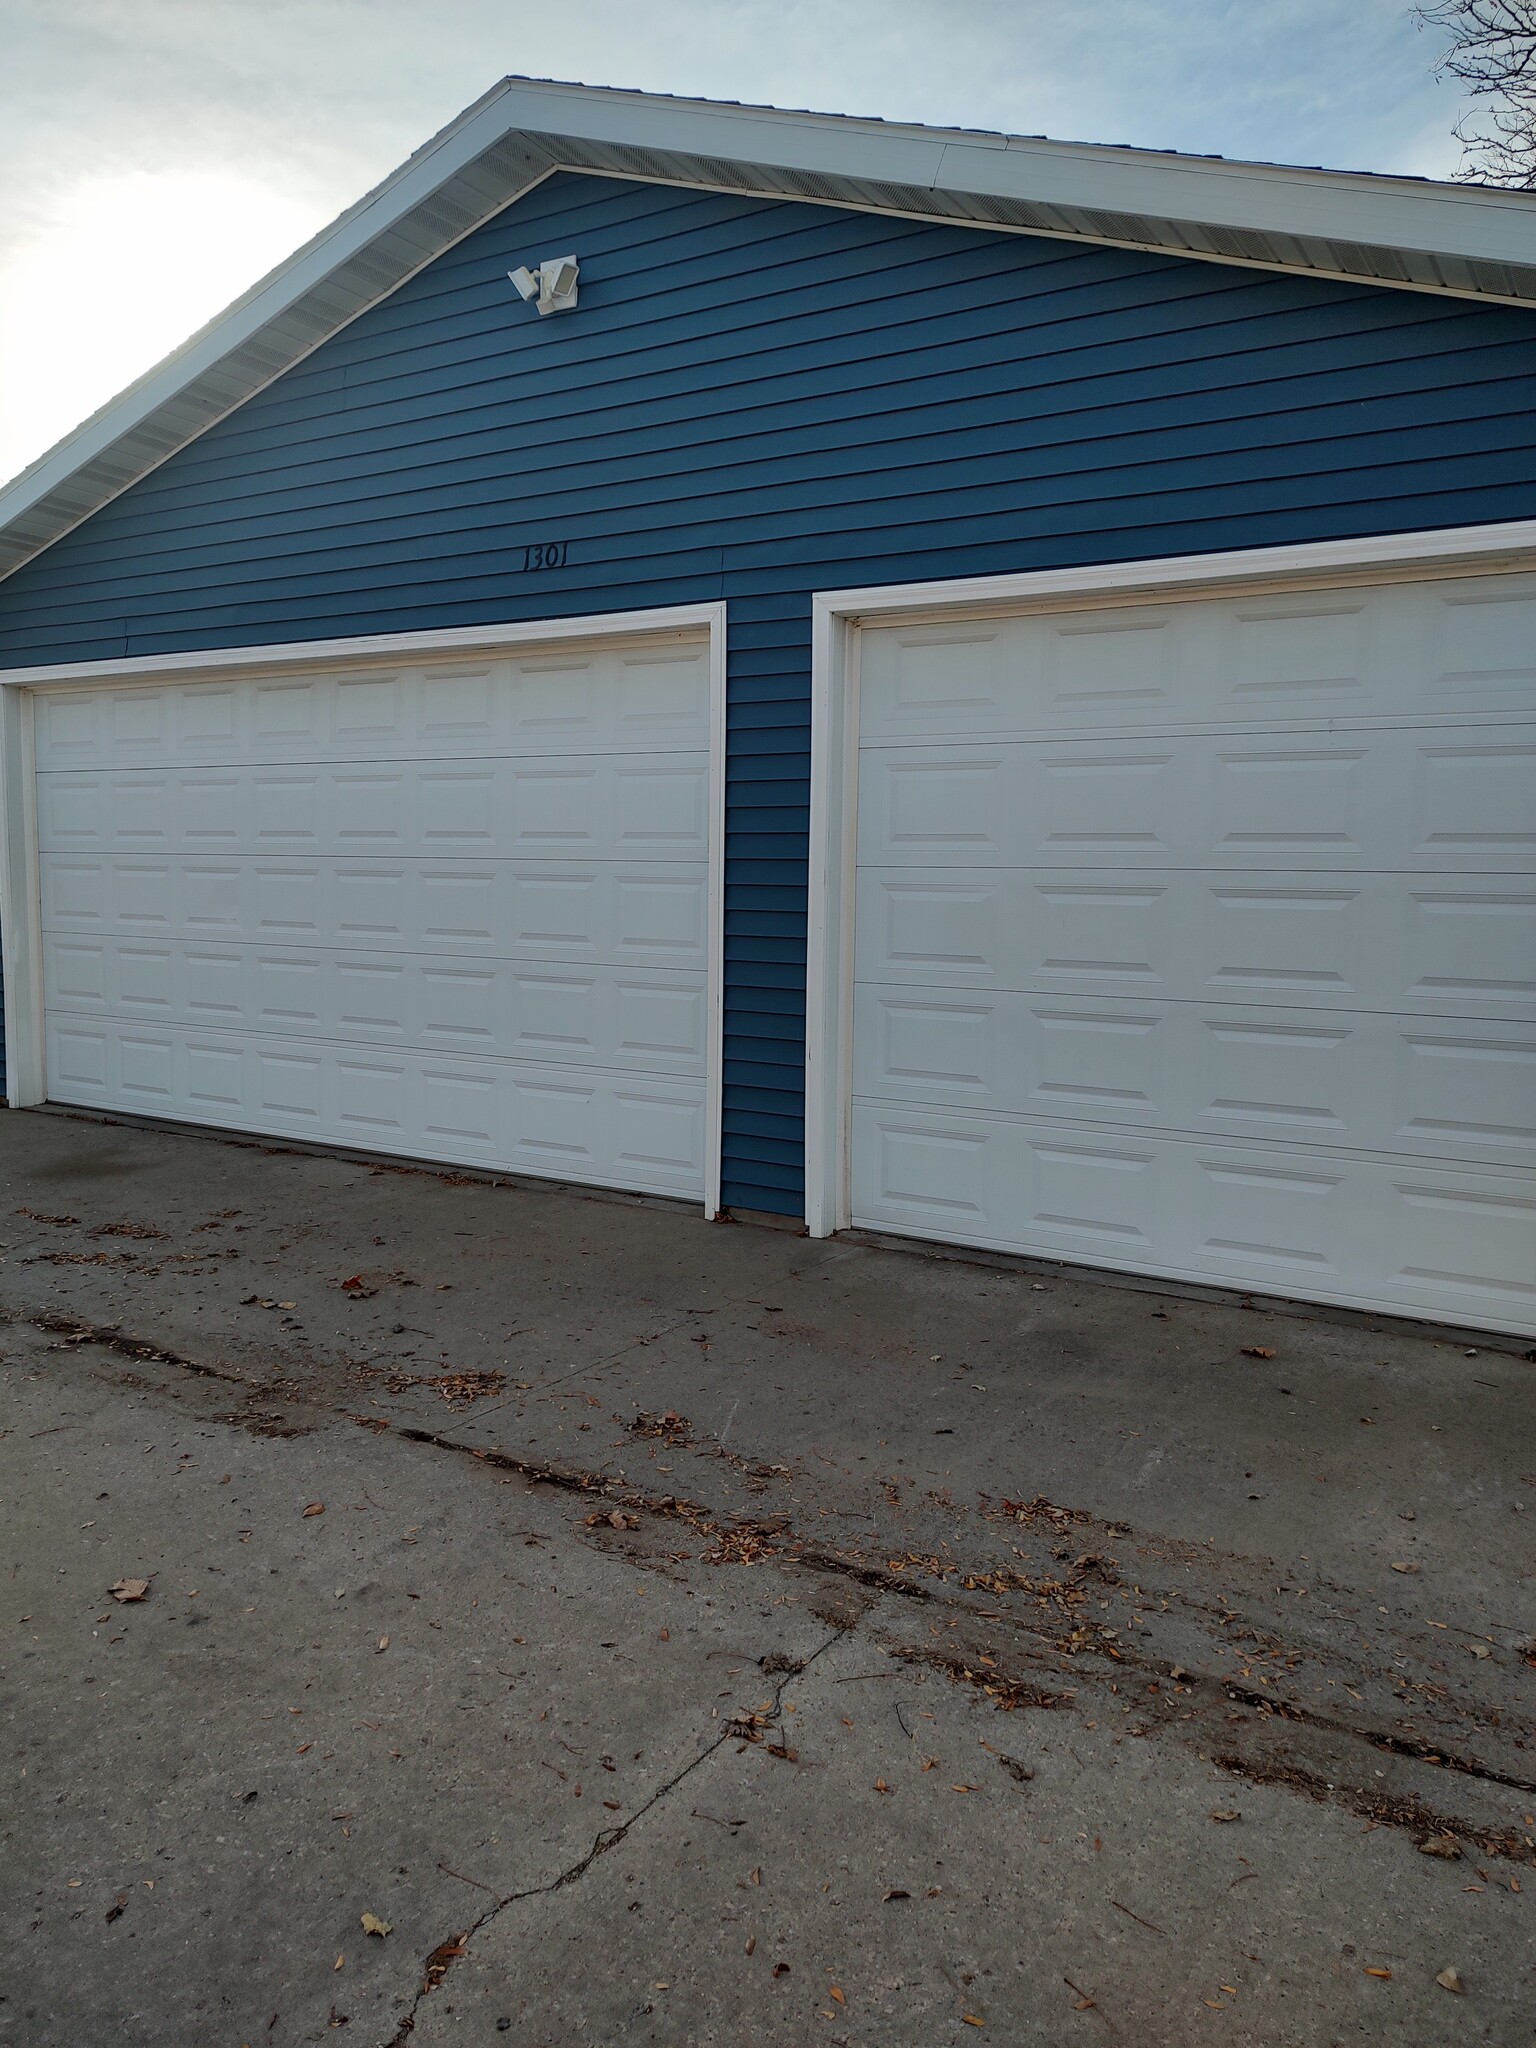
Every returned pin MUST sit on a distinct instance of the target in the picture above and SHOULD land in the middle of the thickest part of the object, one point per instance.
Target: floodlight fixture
(553, 284)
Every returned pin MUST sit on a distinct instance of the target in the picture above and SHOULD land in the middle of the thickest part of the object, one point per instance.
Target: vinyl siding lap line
(1476, 472)
(963, 512)
(573, 370)
(1133, 392)
(1051, 542)
(461, 319)
(1001, 465)
(839, 394)
(837, 372)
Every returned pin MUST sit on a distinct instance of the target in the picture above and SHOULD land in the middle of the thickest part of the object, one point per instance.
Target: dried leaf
(1480, 1649)
(129, 1589)
(894, 1895)
(1405, 1567)
(316, 1507)
(751, 1943)
(340, 1963)
(834, 1992)
(1449, 1979)
(1226, 1813)
(1372, 1971)
(1257, 1351)
(1444, 1844)
(881, 1785)
(372, 1924)
(974, 2019)
(781, 1969)
(383, 1644)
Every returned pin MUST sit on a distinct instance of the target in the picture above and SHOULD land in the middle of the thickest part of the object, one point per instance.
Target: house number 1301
(546, 554)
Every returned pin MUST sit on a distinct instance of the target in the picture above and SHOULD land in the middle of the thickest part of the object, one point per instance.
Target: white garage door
(455, 909)
(1198, 938)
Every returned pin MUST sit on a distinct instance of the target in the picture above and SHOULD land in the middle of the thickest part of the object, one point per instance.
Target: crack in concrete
(440, 1960)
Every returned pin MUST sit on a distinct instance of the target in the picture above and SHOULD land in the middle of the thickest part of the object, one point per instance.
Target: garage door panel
(1301, 939)
(1434, 799)
(1359, 1080)
(628, 1130)
(1456, 1245)
(1482, 636)
(1471, 945)
(593, 807)
(1459, 644)
(554, 702)
(1472, 802)
(609, 914)
(1468, 1090)
(651, 1019)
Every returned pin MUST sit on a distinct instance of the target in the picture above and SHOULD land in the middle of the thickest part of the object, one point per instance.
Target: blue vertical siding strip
(759, 399)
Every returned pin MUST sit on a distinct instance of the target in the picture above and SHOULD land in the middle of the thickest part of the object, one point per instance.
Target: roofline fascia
(1037, 168)
(1080, 236)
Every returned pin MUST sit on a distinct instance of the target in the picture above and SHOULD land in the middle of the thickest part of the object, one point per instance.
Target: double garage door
(457, 909)
(1195, 936)
(1199, 938)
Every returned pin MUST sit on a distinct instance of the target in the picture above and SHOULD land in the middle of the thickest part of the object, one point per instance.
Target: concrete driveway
(678, 1633)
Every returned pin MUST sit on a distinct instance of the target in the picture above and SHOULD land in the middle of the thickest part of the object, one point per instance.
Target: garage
(446, 902)
(1197, 936)
(855, 675)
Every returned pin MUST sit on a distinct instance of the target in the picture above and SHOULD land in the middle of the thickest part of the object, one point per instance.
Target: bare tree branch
(1493, 54)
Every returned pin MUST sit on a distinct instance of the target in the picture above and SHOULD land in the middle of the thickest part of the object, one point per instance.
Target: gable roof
(1468, 241)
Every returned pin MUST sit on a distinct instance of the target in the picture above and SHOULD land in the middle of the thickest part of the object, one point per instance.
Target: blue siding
(760, 399)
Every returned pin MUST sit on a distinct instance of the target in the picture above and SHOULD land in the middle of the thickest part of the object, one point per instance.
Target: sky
(158, 156)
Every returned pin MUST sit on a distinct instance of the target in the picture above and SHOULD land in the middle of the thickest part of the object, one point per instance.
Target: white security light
(554, 283)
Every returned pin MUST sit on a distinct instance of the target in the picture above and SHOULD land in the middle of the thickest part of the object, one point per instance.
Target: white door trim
(20, 898)
(836, 617)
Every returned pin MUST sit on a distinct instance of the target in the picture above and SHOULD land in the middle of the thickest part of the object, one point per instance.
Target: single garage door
(1198, 938)
(455, 909)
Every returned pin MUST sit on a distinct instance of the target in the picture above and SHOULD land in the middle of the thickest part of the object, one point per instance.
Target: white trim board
(20, 904)
(835, 641)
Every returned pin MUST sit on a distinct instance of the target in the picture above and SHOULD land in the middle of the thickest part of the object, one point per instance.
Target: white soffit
(1471, 242)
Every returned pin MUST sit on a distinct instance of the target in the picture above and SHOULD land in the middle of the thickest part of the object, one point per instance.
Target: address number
(546, 554)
